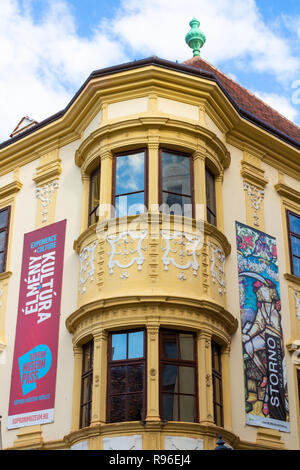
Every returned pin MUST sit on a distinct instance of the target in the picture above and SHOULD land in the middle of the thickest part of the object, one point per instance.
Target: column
(99, 378)
(106, 183)
(225, 357)
(153, 172)
(153, 372)
(76, 387)
(199, 184)
(206, 415)
(219, 201)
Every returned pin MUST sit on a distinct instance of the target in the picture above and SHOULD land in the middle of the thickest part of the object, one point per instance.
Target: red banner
(33, 381)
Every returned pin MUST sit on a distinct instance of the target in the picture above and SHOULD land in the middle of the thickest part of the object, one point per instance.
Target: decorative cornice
(253, 175)
(48, 172)
(5, 275)
(292, 278)
(288, 193)
(10, 189)
(104, 306)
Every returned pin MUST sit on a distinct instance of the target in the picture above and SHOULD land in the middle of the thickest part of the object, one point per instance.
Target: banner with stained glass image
(263, 349)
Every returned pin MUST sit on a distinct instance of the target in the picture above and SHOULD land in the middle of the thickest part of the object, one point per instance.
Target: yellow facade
(149, 107)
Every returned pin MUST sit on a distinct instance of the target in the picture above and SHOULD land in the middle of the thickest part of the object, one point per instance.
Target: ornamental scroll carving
(44, 194)
(256, 196)
(87, 266)
(181, 251)
(217, 267)
(126, 249)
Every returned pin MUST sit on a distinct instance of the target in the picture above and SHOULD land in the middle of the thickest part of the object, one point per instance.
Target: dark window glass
(217, 383)
(130, 184)
(86, 384)
(126, 377)
(178, 376)
(94, 196)
(4, 230)
(210, 197)
(176, 183)
(293, 223)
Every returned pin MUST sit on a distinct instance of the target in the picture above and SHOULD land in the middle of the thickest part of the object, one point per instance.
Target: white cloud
(43, 63)
(279, 103)
(234, 30)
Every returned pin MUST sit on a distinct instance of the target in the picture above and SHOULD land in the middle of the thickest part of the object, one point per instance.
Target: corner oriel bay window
(86, 384)
(178, 376)
(210, 197)
(293, 224)
(94, 196)
(4, 230)
(176, 183)
(126, 377)
(130, 183)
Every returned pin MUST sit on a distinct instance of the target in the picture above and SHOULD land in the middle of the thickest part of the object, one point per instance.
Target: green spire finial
(195, 38)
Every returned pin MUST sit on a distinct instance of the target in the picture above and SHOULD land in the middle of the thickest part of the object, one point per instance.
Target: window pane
(187, 379)
(218, 416)
(294, 224)
(218, 390)
(87, 358)
(186, 347)
(85, 416)
(296, 264)
(131, 204)
(3, 218)
(187, 408)
(118, 379)
(135, 407)
(117, 409)
(170, 345)
(216, 357)
(176, 173)
(2, 240)
(135, 378)
(95, 195)
(130, 173)
(136, 345)
(295, 246)
(170, 407)
(170, 379)
(177, 204)
(86, 387)
(1, 262)
(119, 347)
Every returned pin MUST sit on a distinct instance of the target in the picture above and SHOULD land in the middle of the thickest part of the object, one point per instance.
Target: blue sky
(49, 47)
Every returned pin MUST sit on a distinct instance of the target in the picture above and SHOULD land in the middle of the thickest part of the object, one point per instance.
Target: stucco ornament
(217, 267)
(44, 194)
(87, 267)
(256, 196)
(126, 250)
(183, 252)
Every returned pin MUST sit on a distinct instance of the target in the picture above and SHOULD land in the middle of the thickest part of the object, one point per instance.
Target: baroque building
(154, 301)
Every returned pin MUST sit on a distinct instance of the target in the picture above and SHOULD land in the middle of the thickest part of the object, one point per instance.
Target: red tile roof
(249, 102)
